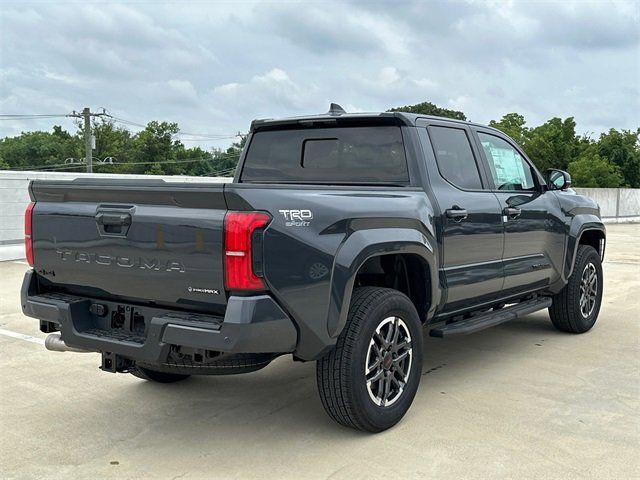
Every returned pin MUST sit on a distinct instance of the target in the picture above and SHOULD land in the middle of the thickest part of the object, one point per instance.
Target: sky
(214, 66)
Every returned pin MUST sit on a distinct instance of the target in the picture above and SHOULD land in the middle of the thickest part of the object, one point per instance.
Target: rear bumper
(250, 325)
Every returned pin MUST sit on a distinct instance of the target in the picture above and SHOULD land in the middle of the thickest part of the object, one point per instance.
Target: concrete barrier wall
(617, 205)
(14, 196)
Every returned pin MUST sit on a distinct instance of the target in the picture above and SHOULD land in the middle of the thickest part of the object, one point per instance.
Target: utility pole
(88, 150)
(88, 138)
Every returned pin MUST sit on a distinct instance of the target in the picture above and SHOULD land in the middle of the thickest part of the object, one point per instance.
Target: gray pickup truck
(341, 238)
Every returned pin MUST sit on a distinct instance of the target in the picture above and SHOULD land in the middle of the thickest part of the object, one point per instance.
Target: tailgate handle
(121, 219)
(113, 223)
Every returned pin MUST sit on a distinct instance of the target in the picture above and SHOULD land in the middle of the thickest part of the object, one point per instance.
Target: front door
(534, 230)
(469, 224)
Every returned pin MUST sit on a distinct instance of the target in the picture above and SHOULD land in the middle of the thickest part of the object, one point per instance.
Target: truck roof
(336, 112)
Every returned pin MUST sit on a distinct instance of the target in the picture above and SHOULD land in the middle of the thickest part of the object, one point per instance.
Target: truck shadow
(280, 403)
(284, 394)
(508, 344)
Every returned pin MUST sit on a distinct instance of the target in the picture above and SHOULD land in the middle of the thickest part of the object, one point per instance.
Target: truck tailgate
(147, 241)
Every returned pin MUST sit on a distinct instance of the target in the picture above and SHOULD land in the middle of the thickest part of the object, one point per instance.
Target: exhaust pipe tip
(54, 343)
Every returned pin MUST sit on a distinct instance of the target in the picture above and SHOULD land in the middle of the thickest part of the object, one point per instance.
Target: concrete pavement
(516, 401)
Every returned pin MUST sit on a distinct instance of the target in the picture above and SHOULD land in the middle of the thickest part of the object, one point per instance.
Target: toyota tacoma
(340, 240)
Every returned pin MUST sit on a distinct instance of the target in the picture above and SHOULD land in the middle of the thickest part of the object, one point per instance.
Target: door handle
(456, 213)
(512, 212)
(113, 219)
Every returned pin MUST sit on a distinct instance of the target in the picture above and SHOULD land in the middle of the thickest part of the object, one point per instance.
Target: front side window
(508, 169)
(455, 158)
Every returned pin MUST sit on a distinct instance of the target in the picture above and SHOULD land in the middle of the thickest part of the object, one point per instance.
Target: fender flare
(365, 244)
(580, 224)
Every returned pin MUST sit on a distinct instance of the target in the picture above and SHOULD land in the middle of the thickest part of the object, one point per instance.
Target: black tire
(567, 312)
(341, 374)
(228, 365)
(156, 376)
(239, 363)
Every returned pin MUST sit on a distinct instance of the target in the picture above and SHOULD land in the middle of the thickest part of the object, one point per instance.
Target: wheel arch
(587, 230)
(365, 248)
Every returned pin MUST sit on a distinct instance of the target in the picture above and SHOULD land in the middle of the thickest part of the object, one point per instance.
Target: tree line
(610, 160)
(155, 150)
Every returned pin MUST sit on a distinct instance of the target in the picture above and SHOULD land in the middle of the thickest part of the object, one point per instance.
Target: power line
(206, 139)
(161, 162)
(71, 167)
(127, 122)
(105, 113)
(33, 117)
(203, 136)
(33, 114)
(224, 172)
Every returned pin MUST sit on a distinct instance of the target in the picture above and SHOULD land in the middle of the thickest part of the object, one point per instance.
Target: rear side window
(455, 157)
(321, 155)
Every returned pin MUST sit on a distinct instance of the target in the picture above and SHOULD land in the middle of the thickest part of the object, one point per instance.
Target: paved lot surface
(520, 401)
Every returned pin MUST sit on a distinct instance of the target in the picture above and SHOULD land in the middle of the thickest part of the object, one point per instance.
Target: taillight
(28, 242)
(238, 256)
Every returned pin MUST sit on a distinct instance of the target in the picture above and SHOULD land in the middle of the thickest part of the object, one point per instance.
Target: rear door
(470, 221)
(533, 221)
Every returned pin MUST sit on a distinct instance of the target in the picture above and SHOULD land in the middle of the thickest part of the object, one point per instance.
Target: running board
(490, 319)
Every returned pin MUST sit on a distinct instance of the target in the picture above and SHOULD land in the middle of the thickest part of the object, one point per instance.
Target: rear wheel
(575, 308)
(368, 381)
(156, 376)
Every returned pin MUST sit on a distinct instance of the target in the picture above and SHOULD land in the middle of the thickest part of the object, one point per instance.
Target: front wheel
(575, 308)
(368, 381)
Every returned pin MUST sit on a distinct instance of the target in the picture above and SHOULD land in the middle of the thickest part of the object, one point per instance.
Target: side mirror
(558, 179)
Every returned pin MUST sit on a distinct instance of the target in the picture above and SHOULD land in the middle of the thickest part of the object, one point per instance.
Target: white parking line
(21, 336)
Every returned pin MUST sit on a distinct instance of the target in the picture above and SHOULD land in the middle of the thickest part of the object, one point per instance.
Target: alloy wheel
(588, 290)
(388, 363)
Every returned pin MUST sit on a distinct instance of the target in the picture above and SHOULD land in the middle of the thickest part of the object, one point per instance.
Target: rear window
(324, 155)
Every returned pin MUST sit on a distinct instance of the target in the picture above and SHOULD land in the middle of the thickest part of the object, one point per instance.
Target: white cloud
(213, 67)
(269, 94)
(184, 89)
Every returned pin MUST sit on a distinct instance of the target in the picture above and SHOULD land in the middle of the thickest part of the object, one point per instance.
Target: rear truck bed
(136, 270)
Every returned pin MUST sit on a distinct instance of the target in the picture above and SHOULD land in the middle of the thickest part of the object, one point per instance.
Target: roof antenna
(335, 110)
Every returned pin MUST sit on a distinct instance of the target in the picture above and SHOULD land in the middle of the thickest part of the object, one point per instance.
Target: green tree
(612, 159)
(227, 160)
(156, 143)
(155, 169)
(591, 170)
(513, 124)
(39, 148)
(622, 148)
(553, 144)
(428, 108)
(111, 141)
(190, 166)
